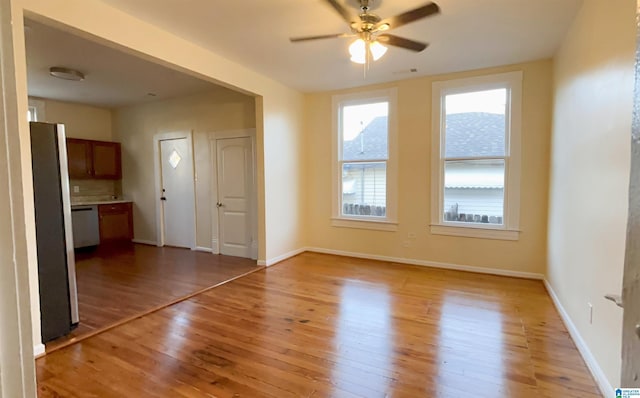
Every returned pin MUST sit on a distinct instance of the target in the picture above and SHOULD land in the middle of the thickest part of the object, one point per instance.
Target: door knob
(219, 204)
(163, 198)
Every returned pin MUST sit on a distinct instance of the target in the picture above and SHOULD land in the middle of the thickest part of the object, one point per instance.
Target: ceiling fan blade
(346, 15)
(410, 16)
(402, 42)
(319, 37)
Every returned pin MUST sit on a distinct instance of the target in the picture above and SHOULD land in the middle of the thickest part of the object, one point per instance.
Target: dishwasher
(86, 231)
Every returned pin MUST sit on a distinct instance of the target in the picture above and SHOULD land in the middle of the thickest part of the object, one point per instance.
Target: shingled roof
(468, 134)
(474, 134)
(370, 143)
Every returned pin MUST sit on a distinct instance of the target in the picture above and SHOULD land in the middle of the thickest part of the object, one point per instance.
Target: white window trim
(388, 223)
(39, 107)
(510, 230)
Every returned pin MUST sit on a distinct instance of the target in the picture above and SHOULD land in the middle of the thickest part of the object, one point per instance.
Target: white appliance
(86, 230)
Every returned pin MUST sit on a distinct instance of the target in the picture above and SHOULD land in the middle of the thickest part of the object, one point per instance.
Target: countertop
(99, 202)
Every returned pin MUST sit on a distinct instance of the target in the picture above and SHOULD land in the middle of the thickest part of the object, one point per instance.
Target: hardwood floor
(326, 326)
(120, 282)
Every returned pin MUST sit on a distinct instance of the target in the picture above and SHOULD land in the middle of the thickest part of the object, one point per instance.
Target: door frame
(213, 167)
(17, 231)
(188, 134)
(631, 274)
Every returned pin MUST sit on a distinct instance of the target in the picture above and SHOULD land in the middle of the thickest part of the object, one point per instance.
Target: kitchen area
(67, 223)
(100, 213)
(93, 273)
(101, 258)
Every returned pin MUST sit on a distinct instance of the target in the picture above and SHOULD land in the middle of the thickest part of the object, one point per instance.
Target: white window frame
(388, 223)
(37, 109)
(510, 229)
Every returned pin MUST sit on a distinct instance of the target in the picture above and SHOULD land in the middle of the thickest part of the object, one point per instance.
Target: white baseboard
(282, 257)
(38, 350)
(432, 264)
(145, 242)
(204, 249)
(590, 360)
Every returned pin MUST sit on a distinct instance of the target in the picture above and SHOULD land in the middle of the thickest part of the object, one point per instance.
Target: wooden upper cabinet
(79, 158)
(94, 159)
(106, 160)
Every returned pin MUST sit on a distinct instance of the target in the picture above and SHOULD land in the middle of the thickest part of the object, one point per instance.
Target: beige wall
(80, 121)
(594, 79)
(414, 134)
(205, 113)
(285, 174)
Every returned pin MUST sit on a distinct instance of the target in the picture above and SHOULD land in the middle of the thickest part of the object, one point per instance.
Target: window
(32, 114)
(364, 194)
(35, 112)
(476, 156)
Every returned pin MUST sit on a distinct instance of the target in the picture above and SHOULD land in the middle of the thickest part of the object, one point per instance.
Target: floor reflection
(176, 326)
(470, 334)
(364, 335)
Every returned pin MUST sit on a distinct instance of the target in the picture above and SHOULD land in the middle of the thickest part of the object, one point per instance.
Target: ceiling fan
(370, 30)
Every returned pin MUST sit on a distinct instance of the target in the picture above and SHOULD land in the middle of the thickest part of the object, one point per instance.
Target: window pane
(31, 114)
(365, 131)
(475, 124)
(364, 189)
(474, 191)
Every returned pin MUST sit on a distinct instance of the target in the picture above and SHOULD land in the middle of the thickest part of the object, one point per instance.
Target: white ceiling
(112, 78)
(468, 34)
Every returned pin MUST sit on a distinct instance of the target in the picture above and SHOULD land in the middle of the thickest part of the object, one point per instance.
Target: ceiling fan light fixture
(66, 73)
(377, 50)
(358, 51)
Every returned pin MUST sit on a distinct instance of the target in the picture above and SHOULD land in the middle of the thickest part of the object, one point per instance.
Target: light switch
(76, 189)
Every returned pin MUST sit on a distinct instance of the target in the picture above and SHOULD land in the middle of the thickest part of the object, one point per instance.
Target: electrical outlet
(590, 313)
(76, 189)
(406, 243)
(411, 235)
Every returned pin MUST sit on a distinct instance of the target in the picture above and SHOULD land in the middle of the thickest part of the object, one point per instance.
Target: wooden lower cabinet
(116, 222)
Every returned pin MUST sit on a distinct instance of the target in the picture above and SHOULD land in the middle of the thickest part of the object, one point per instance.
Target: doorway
(235, 208)
(176, 192)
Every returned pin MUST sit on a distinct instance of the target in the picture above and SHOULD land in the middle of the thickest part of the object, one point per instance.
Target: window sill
(364, 224)
(476, 232)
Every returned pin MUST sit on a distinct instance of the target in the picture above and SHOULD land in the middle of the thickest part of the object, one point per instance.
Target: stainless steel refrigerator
(56, 261)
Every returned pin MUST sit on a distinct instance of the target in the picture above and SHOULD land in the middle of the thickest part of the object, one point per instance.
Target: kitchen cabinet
(79, 158)
(116, 222)
(94, 159)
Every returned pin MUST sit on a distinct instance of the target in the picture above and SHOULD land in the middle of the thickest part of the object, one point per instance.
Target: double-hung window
(364, 172)
(476, 156)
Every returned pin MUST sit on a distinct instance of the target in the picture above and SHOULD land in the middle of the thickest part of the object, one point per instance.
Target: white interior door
(235, 192)
(178, 203)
